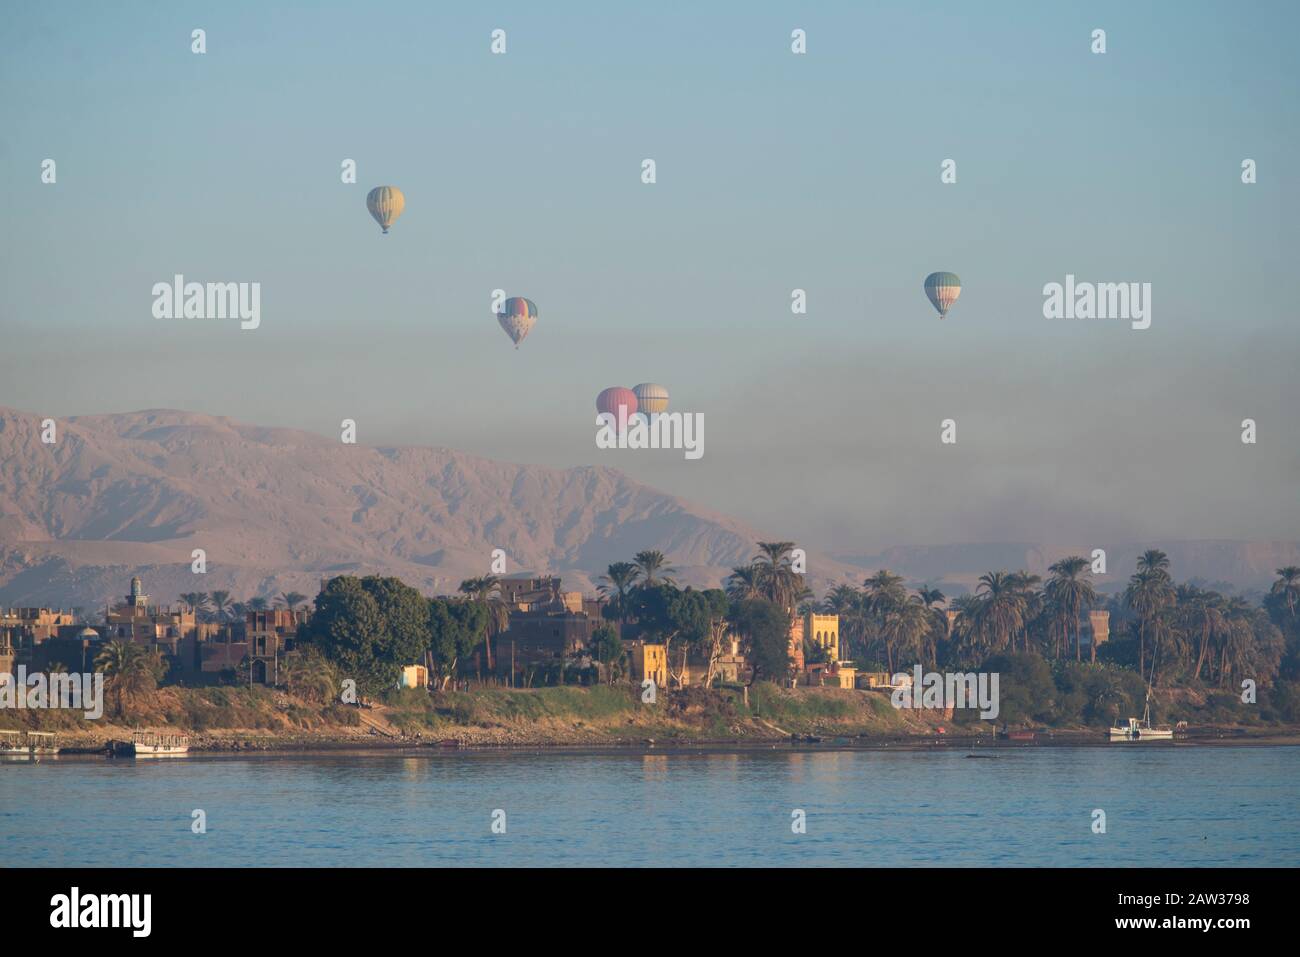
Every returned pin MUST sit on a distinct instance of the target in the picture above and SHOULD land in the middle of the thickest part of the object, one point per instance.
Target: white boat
(1141, 729)
(27, 744)
(152, 744)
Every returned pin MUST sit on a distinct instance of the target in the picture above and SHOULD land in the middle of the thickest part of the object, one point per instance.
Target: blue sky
(775, 171)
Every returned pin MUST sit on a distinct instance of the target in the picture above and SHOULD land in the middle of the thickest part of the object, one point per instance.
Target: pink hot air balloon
(612, 398)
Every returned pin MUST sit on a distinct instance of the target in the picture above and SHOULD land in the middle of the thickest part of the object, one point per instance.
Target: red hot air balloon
(612, 398)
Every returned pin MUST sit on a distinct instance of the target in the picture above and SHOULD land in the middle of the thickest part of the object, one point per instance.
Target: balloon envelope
(385, 204)
(943, 288)
(517, 318)
(651, 397)
(609, 401)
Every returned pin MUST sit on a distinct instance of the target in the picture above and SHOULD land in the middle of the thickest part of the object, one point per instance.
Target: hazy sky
(775, 171)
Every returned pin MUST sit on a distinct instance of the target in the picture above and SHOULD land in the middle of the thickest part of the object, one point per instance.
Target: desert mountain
(277, 510)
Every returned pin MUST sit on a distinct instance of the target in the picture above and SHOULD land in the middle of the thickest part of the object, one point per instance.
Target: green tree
(608, 649)
(653, 567)
(1071, 594)
(616, 585)
(765, 630)
(370, 628)
(455, 630)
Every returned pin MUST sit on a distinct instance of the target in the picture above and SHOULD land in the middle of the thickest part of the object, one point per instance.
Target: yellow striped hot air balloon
(651, 397)
(385, 204)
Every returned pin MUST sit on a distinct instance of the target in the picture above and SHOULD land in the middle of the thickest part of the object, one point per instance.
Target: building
(546, 624)
(137, 621)
(269, 635)
(824, 632)
(24, 628)
(1098, 630)
(649, 660)
(414, 676)
(796, 645)
(832, 674)
(526, 592)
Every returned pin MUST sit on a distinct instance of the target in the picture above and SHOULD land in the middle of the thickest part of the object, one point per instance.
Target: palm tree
(743, 583)
(1072, 595)
(1000, 615)
(1206, 613)
(618, 580)
(197, 600)
(1155, 561)
(964, 628)
(1148, 591)
(882, 593)
(220, 604)
(903, 629)
(652, 563)
(258, 604)
(1025, 585)
(292, 599)
(132, 669)
(1288, 586)
(777, 579)
(480, 592)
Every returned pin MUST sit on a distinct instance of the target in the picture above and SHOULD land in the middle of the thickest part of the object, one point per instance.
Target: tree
(132, 670)
(1000, 614)
(1148, 592)
(653, 567)
(258, 604)
(903, 628)
(1071, 595)
(765, 630)
(498, 615)
(309, 675)
(292, 599)
(221, 604)
(608, 649)
(618, 581)
(370, 627)
(455, 629)
(775, 577)
(743, 583)
(197, 601)
(1287, 587)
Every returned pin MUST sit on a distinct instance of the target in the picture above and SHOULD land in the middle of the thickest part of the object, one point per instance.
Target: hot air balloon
(651, 397)
(943, 288)
(613, 397)
(385, 204)
(517, 318)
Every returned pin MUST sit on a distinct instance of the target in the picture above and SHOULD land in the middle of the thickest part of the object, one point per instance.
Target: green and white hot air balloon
(943, 288)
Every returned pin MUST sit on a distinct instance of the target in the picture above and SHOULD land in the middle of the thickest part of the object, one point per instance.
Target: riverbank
(247, 720)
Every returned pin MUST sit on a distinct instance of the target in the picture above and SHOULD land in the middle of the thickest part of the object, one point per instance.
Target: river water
(1163, 805)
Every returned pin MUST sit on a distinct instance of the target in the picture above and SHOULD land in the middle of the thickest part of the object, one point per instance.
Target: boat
(153, 744)
(27, 744)
(1141, 729)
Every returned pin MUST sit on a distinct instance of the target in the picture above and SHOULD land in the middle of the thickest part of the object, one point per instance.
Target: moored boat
(1141, 729)
(27, 744)
(153, 744)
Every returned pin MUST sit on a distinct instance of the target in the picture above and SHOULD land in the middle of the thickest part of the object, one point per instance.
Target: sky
(775, 171)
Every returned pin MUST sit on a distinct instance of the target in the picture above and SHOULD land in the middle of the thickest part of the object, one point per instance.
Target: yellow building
(824, 631)
(414, 676)
(649, 661)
